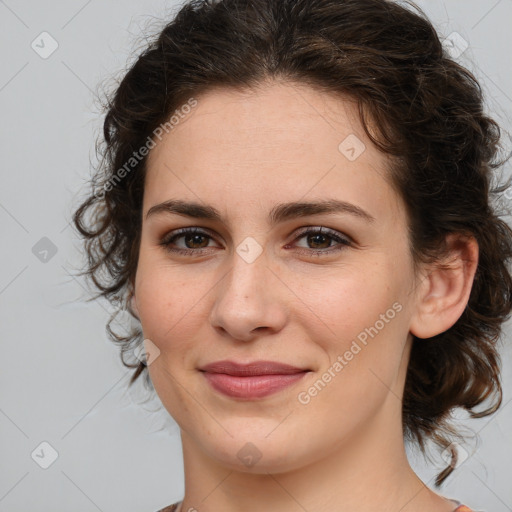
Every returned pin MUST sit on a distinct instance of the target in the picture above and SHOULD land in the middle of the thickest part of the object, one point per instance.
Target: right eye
(191, 236)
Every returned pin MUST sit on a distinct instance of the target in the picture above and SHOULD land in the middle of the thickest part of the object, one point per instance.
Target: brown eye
(195, 241)
(320, 240)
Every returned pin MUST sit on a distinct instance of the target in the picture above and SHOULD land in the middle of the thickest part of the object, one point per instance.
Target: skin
(243, 153)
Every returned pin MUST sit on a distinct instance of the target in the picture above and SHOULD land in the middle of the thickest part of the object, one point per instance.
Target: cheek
(363, 318)
(162, 300)
(362, 367)
(173, 310)
(168, 317)
(349, 302)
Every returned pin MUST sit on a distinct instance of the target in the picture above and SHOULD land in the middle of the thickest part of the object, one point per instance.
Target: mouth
(251, 381)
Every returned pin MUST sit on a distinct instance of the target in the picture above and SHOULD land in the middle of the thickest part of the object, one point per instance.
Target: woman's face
(251, 286)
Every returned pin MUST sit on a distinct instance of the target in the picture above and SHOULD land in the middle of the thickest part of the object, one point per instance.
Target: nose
(250, 301)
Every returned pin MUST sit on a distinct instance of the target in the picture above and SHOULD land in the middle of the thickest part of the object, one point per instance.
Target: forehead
(279, 142)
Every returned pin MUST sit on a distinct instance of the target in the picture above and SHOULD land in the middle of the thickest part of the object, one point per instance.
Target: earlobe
(444, 292)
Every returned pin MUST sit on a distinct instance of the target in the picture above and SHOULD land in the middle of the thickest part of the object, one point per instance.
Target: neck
(368, 472)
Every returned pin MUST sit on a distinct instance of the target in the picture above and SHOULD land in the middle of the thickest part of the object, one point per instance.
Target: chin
(254, 450)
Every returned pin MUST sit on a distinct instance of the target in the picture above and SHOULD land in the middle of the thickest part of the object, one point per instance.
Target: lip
(250, 369)
(253, 380)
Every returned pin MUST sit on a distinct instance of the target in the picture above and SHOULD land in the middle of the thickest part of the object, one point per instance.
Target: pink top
(174, 507)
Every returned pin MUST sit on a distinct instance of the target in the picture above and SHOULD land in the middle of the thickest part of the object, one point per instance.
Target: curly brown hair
(428, 112)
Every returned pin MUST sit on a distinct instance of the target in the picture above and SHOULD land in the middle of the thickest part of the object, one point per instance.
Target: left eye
(320, 236)
(317, 236)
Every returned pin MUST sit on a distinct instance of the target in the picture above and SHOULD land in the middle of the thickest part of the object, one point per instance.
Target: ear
(444, 292)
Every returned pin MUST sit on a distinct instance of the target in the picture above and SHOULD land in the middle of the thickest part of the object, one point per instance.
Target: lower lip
(256, 386)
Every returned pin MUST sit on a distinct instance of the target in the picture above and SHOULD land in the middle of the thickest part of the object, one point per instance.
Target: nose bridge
(248, 272)
(245, 299)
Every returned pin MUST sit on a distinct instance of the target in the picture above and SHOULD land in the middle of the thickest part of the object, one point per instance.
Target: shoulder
(174, 506)
(463, 508)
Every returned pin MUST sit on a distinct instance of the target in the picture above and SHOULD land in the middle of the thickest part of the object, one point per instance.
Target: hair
(427, 111)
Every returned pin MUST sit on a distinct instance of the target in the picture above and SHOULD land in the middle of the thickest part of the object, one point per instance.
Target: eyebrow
(279, 212)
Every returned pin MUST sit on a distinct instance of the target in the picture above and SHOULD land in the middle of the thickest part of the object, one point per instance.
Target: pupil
(317, 236)
(193, 237)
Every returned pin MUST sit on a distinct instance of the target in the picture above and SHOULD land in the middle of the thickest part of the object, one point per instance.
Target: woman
(294, 203)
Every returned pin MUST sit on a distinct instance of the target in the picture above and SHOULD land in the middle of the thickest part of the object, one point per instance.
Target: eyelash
(168, 240)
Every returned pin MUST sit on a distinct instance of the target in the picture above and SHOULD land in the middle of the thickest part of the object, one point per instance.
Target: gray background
(61, 380)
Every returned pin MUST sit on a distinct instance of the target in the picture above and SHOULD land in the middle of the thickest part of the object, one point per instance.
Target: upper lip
(254, 368)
